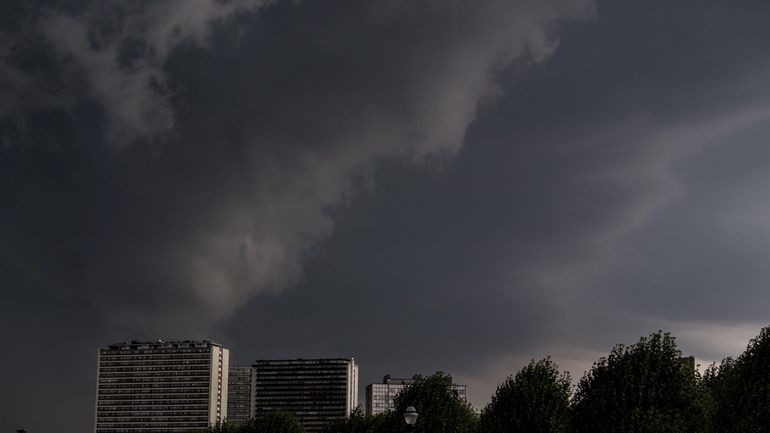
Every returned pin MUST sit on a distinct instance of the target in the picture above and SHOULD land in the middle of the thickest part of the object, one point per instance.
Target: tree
(273, 422)
(440, 408)
(741, 389)
(221, 427)
(357, 422)
(535, 400)
(642, 388)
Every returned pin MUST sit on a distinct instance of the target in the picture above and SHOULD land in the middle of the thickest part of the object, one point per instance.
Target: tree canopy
(641, 388)
(275, 422)
(357, 422)
(535, 400)
(440, 408)
(741, 389)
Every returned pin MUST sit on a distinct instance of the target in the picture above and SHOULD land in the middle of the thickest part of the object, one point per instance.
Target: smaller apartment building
(379, 396)
(239, 394)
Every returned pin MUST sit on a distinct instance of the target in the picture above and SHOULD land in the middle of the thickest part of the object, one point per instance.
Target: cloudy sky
(420, 184)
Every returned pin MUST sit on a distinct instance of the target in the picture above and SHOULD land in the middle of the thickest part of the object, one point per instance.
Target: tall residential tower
(153, 387)
(317, 391)
(239, 394)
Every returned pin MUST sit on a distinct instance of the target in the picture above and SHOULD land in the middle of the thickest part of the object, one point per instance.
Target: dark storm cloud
(582, 212)
(224, 133)
(686, 268)
(163, 162)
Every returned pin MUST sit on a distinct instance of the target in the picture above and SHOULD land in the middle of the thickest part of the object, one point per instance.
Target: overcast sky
(420, 184)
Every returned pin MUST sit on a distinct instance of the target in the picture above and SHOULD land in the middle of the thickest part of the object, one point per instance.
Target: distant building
(147, 387)
(379, 396)
(239, 394)
(317, 391)
(688, 362)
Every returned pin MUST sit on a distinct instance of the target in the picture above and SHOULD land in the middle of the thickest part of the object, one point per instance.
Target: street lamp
(410, 416)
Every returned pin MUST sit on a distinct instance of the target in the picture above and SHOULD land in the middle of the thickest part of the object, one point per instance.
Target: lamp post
(410, 416)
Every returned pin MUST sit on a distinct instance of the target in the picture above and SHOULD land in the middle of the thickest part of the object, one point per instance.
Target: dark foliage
(741, 389)
(535, 400)
(641, 388)
(440, 408)
(357, 422)
(276, 422)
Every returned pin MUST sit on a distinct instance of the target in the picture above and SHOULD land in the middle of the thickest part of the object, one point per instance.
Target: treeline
(643, 388)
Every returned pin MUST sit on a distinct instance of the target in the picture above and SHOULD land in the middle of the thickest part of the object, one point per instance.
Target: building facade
(153, 387)
(379, 396)
(239, 394)
(317, 391)
(688, 362)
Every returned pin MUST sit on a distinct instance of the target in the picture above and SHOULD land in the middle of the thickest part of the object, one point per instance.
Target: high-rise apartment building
(379, 396)
(317, 391)
(153, 387)
(239, 394)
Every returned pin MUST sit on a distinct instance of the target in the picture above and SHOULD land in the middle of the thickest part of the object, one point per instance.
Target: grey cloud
(277, 115)
(26, 85)
(526, 245)
(122, 48)
(686, 267)
(228, 202)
